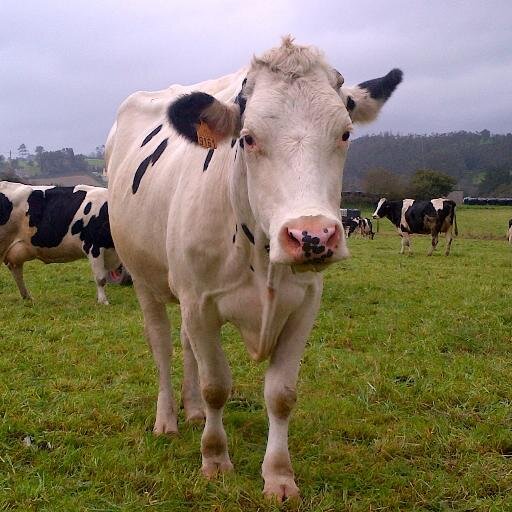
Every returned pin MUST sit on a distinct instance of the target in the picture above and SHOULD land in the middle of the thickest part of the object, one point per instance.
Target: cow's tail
(455, 230)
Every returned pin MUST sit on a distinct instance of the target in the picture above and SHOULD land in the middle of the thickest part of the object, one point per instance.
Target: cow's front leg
(281, 395)
(406, 242)
(203, 331)
(157, 330)
(402, 243)
(17, 274)
(190, 390)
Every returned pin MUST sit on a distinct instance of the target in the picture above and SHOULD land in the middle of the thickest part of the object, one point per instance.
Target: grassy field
(405, 396)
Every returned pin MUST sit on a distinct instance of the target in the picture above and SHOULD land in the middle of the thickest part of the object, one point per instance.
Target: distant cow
(350, 225)
(510, 231)
(55, 225)
(366, 228)
(224, 196)
(422, 217)
(361, 226)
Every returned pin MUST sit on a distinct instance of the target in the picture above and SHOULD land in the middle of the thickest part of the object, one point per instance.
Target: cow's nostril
(294, 237)
(331, 236)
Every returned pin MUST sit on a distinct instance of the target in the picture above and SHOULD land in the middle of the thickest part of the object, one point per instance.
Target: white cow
(236, 233)
(56, 225)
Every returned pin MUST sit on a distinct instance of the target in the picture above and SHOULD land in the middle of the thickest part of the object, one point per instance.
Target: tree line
(63, 162)
(478, 163)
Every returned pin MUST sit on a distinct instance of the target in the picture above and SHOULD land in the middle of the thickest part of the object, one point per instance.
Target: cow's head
(294, 118)
(382, 208)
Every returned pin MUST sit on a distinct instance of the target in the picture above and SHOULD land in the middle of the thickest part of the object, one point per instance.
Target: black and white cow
(56, 225)
(224, 197)
(361, 226)
(422, 217)
(350, 224)
(509, 233)
(366, 228)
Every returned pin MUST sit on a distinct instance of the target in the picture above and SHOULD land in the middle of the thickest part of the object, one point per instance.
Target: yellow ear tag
(205, 137)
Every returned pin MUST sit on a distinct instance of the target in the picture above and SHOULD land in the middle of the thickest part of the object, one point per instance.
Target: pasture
(405, 394)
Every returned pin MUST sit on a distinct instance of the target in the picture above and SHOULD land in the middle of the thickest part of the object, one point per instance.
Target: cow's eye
(248, 139)
(345, 136)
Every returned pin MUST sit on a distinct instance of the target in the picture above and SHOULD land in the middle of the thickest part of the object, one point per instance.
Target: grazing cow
(56, 225)
(366, 228)
(224, 197)
(361, 226)
(350, 225)
(510, 231)
(422, 217)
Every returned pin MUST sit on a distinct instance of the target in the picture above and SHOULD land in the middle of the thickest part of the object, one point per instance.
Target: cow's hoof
(281, 489)
(195, 416)
(169, 427)
(214, 466)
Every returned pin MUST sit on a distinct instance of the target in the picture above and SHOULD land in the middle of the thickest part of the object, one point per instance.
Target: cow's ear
(196, 110)
(365, 100)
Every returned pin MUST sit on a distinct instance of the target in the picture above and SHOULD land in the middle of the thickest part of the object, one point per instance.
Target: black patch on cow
(185, 113)
(96, 235)
(208, 158)
(241, 142)
(77, 227)
(143, 167)
(351, 104)
(234, 237)
(251, 267)
(151, 135)
(392, 210)
(5, 209)
(509, 223)
(248, 233)
(423, 218)
(240, 99)
(87, 208)
(51, 212)
(382, 88)
(350, 224)
(233, 142)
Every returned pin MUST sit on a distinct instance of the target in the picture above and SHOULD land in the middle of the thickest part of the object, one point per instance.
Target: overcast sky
(66, 65)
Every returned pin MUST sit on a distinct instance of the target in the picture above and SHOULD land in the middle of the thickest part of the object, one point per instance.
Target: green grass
(405, 395)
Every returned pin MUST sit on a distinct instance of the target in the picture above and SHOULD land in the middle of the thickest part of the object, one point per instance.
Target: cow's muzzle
(315, 239)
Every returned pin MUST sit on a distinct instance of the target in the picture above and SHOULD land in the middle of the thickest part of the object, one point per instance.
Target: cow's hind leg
(449, 238)
(158, 334)
(203, 331)
(100, 276)
(190, 391)
(435, 240)
(17, 274)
